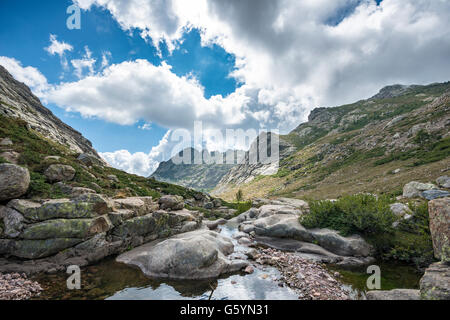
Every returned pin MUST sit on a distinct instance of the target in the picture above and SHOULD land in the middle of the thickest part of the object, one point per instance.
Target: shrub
(362, 214)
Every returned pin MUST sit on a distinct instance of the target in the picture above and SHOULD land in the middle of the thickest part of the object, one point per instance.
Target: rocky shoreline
(18, 287)
(311, 280)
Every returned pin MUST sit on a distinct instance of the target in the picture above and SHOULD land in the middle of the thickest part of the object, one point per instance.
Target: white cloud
(86, 62)
(31, 76)
(57, 47)
(289, 55)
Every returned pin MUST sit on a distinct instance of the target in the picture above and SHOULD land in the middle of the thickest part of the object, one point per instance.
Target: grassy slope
(33, 148)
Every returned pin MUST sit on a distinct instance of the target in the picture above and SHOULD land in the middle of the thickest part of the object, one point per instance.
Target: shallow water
(115, 281)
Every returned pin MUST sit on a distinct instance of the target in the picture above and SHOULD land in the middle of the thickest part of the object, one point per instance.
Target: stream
(109, 280)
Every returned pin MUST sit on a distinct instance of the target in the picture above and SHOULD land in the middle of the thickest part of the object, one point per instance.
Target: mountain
(373, 145)
(202, 177)
(17, 101)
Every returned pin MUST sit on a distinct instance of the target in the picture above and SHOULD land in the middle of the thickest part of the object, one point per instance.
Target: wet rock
(194, 255)
(414, 189)
(212, 225)
(14, 181)
(435, 284)
(439, 212)
(396, 294)
(171, 202)
(59, 172)
(249, 270)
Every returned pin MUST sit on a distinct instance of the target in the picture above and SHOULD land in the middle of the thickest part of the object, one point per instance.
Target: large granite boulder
(139, 205)
(400, 209)
(439, 211)
(415, 189)
(288, 226)
(85, 206)
(194, 255)
(36, 249)
(67, 228)
(14, 181)
(435, 284)
(59, 172)
(171, 202)
(396, 294)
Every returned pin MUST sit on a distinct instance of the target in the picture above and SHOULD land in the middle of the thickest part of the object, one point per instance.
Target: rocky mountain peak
(17, 101)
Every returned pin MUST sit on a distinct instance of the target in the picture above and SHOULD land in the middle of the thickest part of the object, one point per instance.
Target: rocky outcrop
(435, 284)
(396, 294)
(195, 255)
(59, 173)
(278, 227)
(170, 202)
(439, 211)
(14, 181)
(82, 230)
(415, 189)
(17, 101)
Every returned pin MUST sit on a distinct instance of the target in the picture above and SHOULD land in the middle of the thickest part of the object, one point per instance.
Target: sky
(139, 70)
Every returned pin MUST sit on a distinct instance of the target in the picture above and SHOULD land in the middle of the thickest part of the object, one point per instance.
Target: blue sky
(140, 69)
(30, 24)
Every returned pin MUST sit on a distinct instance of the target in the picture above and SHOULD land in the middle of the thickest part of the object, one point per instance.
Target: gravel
(17, 287)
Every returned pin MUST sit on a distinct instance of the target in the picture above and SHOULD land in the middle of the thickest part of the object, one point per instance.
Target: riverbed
(110, 280)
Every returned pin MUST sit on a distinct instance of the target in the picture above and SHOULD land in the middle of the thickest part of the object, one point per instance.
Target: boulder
(271, 209)
(36, 249)
(212, 225)
(85, 206)
(59, 172)
(345, 246)
(414, 189)
(400, 209)
(88, 160)
(10, 156)
(12, 221)
(443, 182)
(217, 203)
(113, 178)
(435, 284)
(67, 228)
(439, 212)
(139, 205)
(6, 142)
(119, 216)
(78, 191)
(195, 255)
(396, 294)
(171, 202)
(208, 205)
(435, 194)
(14, 181)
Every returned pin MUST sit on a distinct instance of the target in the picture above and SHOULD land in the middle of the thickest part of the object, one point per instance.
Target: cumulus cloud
(31, 76)
(294, 55)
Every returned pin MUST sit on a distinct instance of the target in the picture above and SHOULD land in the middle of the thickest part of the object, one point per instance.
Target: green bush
(371, 218)
(362, 214)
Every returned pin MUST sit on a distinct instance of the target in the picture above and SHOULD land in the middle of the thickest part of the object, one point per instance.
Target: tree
(239, 196)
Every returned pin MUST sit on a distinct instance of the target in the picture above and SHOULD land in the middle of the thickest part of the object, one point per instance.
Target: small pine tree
(239, 196)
